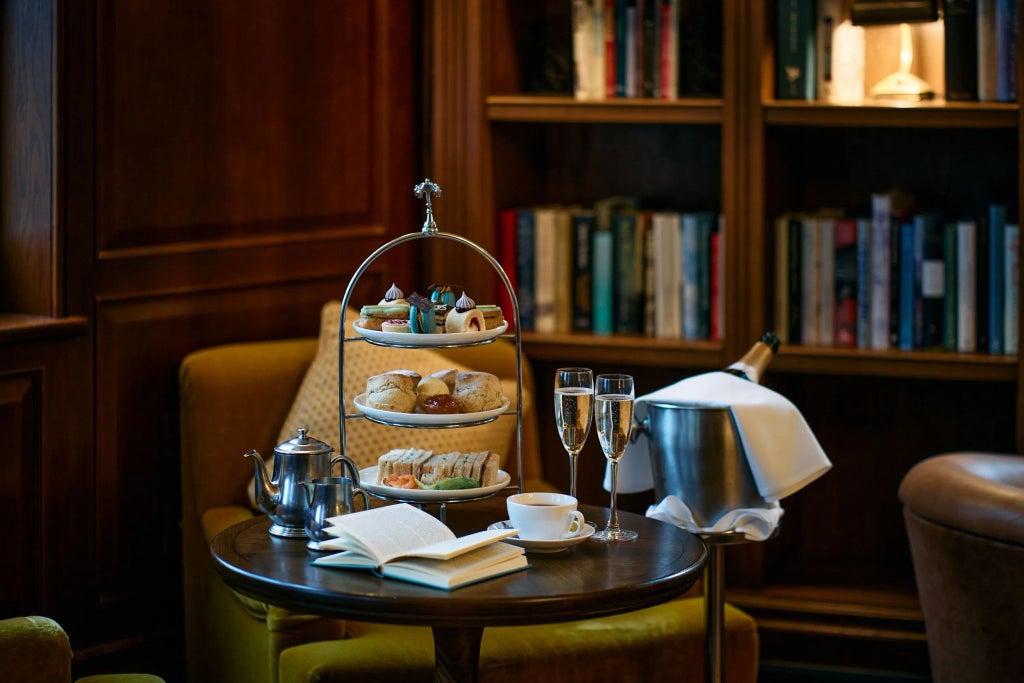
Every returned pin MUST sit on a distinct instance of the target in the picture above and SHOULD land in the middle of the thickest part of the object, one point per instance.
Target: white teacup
(542, 516)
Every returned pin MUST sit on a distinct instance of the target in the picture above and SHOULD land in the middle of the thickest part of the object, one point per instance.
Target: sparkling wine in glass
(574, 403)
(613, 412)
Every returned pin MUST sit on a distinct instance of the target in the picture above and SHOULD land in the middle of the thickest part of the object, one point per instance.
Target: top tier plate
(407, 339)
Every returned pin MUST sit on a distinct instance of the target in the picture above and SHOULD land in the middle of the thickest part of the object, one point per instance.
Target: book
(781, 298)
(845, 283)
(649, 24)
(794, 279)
(966, 279)
(863, 283)
(705, 223)
(608, 30)
(1006, 50)
(881, 210)
(1011, 271)
(552, 255)
(988, 59)
(508, 258)
(690, 256)
(826, 297)
(587, 49)
(949, 322)
(650, 292)
(601, 279)
(795, 51)
(583, 223)
(627, 271)
(983, 305)
(525, 234)
(666, 235)
(403, 542)
(717, 323)
(810, 274)
(960, 39)
(909, 296)
(829, 16)
(996, 263)
(668, 51)
(933, 280)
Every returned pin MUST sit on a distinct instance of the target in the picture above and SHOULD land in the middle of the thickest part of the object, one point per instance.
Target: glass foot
(609, 535)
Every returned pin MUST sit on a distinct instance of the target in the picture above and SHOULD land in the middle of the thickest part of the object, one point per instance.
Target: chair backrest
(964, 515)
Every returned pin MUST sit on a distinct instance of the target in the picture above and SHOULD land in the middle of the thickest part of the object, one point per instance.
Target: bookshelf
(838, 580)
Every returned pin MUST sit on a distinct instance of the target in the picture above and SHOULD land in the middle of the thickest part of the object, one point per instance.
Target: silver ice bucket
(696, 454)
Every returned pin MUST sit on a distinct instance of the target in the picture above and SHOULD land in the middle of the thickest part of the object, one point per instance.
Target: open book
(403, 542)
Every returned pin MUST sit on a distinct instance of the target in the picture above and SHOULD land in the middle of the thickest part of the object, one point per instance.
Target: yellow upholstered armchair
(35, 649)
(254, 395)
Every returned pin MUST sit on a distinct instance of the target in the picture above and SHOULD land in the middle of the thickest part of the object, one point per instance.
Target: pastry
(440, 317)
(440, 404)
(478, 391)
(399, 325)
(394, 296)
(447, 376)
(465, 317)
(392, 391)
(430, 386)
(442, 295)
(373, 317)
(493, 316)
(421, 315)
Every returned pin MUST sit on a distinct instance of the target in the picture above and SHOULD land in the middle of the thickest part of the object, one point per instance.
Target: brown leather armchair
(964, 515)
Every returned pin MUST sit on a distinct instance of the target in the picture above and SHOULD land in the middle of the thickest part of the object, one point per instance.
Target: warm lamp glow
(903, 85)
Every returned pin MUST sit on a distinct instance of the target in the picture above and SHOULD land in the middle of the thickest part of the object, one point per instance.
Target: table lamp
(901, 84)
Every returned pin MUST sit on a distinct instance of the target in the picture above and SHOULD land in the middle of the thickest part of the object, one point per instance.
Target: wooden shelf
(20, 327)
(583, 347)
(935, 114)
(566, 109)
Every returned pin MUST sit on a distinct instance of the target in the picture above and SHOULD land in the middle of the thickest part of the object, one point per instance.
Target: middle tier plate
(407, 339)
(391, 417)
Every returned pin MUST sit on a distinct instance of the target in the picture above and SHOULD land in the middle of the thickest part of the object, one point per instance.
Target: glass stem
(613, 518)
(572, 474)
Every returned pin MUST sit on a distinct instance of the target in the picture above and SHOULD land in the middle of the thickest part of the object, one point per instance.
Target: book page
(387, 532)
(491, 560)
(454, 547)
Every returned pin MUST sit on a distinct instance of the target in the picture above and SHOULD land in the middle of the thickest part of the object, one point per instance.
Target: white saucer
(555, 545)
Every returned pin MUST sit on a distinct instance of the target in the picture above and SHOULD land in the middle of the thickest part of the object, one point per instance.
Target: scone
(447, 376)
(477, 391)
(430, 386)
(393, 391)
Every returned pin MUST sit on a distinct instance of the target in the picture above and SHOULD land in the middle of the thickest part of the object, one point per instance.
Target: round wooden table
(588, 580)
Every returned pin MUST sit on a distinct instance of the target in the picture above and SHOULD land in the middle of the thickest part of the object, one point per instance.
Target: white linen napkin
(756, 524)
(783, 453)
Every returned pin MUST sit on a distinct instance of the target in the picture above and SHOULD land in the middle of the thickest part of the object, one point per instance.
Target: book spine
(704, 221)
(668, 275)
(996, 285)
(933, 281)
(966, 281)
(610, 49)
(649, 290)
(795, 53)
(1011, 270)
(648, 47)
(632, 49)
(718, 279)
(863, 283)
(881, 207)
(621, 47)
(1006, 50)
(508, 257)
(846, 304)
(545, 270)
(690, 258)
(588, 48)
(563, 280)
(907, 287)
(949, 327)
(626, 318)
(826, 297)
(525, 275)
(895, 275)
(988, 57)
(602, 281)
(961, 49)
(810, 273)
(794, 280)
(781, 293)
(582, 289)
(983, 305)
(668, 55)
(828, 18)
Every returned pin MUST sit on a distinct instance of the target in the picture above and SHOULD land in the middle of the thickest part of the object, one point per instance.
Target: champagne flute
(614, 415)
(574, 404)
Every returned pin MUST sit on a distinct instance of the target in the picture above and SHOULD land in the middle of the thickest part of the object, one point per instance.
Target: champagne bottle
(755, 361)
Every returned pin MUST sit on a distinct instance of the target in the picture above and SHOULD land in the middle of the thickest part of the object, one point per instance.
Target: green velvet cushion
(34, 650)
(661, 643)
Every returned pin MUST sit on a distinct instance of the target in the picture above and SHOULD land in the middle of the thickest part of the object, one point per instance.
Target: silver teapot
(282, 496)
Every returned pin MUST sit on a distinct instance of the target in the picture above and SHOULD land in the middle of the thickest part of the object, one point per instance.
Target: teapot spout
(267, 493)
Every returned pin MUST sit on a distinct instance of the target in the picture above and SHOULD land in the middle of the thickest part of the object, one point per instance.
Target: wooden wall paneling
(26, 157)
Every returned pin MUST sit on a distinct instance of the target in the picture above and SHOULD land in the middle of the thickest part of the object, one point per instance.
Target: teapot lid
(304, 445)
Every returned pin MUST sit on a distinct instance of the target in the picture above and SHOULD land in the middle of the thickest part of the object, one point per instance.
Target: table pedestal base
(457, 654)
(714, 615)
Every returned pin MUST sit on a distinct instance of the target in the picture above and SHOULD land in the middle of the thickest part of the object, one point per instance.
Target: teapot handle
(347, 462)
